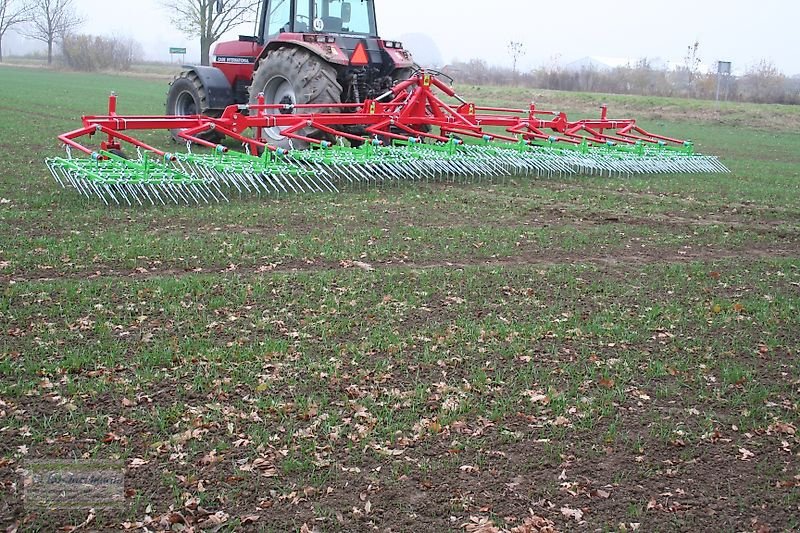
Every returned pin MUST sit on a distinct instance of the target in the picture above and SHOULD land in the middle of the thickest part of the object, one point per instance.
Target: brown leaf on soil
(783, 427)
(746, 454)
(137, 462)
(536, 397)
(210, 458)
(535, 524)
(480, 524)
(577, 514)
(250, 519)
(215, 520)
(606, 383)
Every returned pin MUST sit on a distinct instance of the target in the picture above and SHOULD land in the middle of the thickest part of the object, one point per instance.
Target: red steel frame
(414, 106)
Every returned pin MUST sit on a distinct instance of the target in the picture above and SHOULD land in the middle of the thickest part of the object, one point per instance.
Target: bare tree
(51, 20)
(209, 19)
(691, 62)
(517, 50)
(12, 13)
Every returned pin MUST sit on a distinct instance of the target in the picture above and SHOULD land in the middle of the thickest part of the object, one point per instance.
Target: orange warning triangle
(360, 56)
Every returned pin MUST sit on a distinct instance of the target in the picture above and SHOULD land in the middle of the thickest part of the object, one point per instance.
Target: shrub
(91, 52)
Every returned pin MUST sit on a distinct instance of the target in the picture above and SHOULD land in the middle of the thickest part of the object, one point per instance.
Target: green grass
(633, 334)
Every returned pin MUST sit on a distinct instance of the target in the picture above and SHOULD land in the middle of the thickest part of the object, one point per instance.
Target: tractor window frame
(371, 22)
(271, 28)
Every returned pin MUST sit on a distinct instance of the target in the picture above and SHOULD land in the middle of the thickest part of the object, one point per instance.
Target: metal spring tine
(93, 188)
(266, 179)
(86, 187)
(248, 177)
(261, 178)
(287, 179)
(279, 179)
(329, 173)
(154, 189)
(215, 183)
(362, 174)
(190, 190)
(313, 186)
(178, 188)
(146, 188)
(230, 182)
(331, 186)
(110, 191)
(201, 192)
(195, 194)
(120, 191)
(237, 178)
(379, 171)
(210, 193)
(319, 179)
(127, 190)
(53, 172)
(168, 191)
(290, 177)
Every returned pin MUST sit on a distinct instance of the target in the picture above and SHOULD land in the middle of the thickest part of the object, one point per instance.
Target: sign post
(173, 51)
(723, 69)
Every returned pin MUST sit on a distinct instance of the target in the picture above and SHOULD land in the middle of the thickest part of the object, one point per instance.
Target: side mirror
(347, 11)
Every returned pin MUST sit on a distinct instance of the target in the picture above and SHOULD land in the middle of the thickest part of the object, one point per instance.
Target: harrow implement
(411, 133)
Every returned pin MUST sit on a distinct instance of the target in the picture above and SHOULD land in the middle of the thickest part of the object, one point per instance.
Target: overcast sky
(741, 31)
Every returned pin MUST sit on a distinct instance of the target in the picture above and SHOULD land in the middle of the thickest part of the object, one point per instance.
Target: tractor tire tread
(202, 96)
(314, 79)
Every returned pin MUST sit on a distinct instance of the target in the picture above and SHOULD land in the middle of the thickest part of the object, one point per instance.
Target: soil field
(526, 355)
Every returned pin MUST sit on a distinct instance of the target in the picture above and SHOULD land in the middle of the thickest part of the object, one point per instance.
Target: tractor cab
(317, 16)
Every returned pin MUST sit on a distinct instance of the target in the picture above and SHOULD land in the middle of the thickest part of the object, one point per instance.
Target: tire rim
(278, 90)
(185, 104)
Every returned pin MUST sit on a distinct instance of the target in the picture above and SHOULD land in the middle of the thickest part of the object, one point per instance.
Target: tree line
(762, 82)
(54, 22)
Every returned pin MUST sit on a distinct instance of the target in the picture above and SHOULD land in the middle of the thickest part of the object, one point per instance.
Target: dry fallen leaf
(364, 266)
(480, 524)
(577, 514)
(536, 397)
(746, 454)
(137, 462)
(215, 520)
(606, 383)
(535, 524)
(783, 427)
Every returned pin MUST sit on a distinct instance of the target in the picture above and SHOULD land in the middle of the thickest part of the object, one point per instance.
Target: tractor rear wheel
(294, 75)
(188, 96)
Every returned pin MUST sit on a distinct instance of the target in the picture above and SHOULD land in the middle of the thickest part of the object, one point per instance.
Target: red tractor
(306, 52)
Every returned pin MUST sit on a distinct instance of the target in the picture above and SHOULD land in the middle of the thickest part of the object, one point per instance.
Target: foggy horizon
(551, 33)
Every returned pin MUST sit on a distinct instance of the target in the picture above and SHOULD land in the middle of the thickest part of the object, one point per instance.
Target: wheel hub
(279, 90)
(185, 104)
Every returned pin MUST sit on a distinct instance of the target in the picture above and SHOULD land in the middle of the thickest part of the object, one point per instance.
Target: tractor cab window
(344, 16)
(280, 16)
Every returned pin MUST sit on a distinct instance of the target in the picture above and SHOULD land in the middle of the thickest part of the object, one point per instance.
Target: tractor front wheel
(187, 96)
(294, 75)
